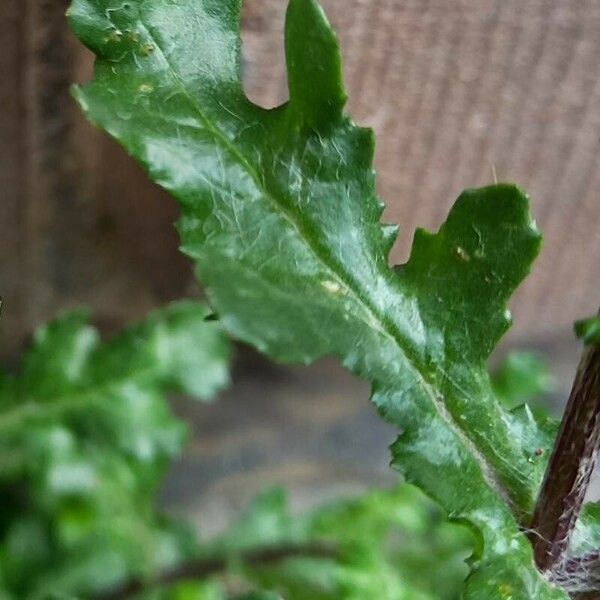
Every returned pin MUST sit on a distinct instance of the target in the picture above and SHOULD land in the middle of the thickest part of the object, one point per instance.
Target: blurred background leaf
(86, 436)
(523, 378)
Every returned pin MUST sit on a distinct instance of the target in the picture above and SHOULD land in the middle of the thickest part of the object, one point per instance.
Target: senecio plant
(280, 216)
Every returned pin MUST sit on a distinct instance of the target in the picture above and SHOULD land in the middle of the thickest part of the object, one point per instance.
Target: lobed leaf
(280, 214)
(85, 438)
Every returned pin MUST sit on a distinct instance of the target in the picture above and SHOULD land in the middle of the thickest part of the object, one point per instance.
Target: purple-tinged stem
(570, 467)
(580, 576)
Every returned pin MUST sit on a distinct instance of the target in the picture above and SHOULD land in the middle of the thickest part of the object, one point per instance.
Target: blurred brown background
(456, 90)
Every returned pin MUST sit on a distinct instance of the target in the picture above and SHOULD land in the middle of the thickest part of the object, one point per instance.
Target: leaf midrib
(342, 277)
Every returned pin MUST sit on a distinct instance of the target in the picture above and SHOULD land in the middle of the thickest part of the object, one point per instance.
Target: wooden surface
(79, 222)
(454, 89)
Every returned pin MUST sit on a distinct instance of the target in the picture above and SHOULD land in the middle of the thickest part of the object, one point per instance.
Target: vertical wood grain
(12, 152)
(79, 222)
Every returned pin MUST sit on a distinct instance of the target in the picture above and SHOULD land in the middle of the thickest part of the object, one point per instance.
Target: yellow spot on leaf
(147, 49)
(333, 287)
(462, 254)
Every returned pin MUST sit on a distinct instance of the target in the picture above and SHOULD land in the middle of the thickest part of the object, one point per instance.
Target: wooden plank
(12, 150)
(79, 223)
(54, 214)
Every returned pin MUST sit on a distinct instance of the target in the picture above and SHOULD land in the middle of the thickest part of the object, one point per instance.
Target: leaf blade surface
(280, 214)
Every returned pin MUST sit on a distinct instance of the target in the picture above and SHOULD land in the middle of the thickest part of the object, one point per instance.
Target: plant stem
(570, 467)
(203, 568)
(580, 576)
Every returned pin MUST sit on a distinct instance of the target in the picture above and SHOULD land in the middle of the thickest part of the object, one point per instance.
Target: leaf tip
(317, 93)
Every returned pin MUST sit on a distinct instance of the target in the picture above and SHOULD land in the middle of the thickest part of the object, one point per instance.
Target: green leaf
(86, 436)
(392, 544)
(589, 330)
(175, 347)
(312, 55)
(188, 590)
(198, 590)
(260, 596)
(522, 377)
(281, 217)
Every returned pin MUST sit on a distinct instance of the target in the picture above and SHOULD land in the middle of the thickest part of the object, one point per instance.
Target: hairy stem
(204, 568)
(580, 576)
(570, 467)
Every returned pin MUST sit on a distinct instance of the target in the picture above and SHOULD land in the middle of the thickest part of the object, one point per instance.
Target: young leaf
(85, 438)
(589, 330)
(391, 544)
(388, 544)
(281, 217)
(522, 377)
